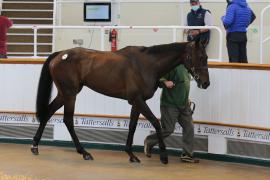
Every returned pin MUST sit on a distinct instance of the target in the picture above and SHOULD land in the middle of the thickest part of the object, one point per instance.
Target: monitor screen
(97, 11)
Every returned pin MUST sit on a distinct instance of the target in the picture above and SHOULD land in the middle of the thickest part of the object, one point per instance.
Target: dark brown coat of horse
(132, 73)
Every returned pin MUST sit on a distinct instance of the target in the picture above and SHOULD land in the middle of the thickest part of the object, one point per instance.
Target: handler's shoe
(147, 149)
(189, 159)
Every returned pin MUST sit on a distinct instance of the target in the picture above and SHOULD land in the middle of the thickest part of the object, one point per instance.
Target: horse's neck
(167, 64)
(168, 56)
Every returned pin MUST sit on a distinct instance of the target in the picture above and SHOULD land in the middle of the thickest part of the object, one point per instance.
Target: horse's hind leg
(56, 104)
(68, 120)
(145, 110)
(134, 115)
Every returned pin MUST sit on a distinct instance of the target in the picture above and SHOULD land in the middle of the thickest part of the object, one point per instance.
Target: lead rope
(192, 106)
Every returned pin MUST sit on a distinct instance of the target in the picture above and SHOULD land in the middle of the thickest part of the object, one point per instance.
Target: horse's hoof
(164, 157)
(164, 160)
(88, 157)
(34, 150)
(134, 160)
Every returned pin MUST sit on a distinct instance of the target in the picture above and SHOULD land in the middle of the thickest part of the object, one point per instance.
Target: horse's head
(196, 63)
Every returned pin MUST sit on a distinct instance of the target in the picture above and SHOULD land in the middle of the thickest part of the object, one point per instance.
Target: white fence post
(35, 28)
(174, 34)
(261, 33)
(102, 39)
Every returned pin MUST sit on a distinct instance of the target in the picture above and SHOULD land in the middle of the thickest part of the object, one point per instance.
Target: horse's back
(87, 59)
(103, 72)
(109, 73)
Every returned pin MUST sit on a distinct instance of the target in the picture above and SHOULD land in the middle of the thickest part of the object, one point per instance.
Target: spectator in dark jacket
(238, 17)
(198, 16)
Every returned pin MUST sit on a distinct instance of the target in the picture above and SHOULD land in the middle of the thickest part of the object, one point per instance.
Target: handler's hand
(169, 84)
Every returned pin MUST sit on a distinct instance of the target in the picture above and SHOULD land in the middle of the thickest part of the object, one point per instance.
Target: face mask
(195, 8)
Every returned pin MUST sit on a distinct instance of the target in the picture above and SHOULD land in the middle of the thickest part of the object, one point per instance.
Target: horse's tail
(44, 90)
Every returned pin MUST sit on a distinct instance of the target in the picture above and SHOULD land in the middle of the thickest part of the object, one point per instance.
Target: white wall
(158, 13)
(234, 96)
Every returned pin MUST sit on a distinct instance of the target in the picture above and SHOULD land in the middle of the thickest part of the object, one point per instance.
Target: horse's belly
(112, 90)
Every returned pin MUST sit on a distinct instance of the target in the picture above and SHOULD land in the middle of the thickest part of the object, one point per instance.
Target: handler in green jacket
(175, 107)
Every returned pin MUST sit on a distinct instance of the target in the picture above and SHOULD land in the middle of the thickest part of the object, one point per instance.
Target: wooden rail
(22, 61)
(227, 65)
(224, 65)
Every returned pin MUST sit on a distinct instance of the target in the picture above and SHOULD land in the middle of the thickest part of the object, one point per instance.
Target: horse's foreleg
(68, 120)
(134, 115)
(145, 110)
(56, 104)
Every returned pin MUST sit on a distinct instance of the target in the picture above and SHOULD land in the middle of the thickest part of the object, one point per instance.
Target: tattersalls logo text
(256, 135)
(219, 131)
(13, 118)
(97, 122)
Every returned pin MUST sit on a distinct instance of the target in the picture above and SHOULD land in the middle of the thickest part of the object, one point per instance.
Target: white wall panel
(234, 96)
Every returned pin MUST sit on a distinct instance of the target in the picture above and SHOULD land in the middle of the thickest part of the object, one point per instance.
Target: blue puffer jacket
(238, 16)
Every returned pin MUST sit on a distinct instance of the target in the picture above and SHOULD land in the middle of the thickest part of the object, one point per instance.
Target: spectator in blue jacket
(238, 17)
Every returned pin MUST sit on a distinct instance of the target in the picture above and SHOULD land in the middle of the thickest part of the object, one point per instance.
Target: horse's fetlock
(127, 150)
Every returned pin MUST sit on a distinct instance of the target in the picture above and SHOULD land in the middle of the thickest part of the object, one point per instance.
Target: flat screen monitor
(97, 11)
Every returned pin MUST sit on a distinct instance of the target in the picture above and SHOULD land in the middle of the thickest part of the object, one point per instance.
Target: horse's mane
(165, 48)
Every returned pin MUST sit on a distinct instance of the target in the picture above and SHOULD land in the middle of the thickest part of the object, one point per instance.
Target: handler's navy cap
(194, 1)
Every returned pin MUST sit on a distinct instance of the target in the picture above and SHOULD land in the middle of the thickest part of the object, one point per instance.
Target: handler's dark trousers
(169, 116)
(237, 47)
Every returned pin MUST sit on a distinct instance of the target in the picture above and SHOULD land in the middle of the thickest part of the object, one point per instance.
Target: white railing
(102, 32)
(262, 41)
(55, 17)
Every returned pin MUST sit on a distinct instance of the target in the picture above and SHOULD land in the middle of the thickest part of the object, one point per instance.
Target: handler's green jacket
(179, 94)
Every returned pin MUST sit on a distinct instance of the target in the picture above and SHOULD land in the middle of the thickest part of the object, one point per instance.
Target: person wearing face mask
(198, 16)
(238, 17)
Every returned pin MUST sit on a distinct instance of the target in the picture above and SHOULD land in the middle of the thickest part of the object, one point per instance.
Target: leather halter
(192, 68)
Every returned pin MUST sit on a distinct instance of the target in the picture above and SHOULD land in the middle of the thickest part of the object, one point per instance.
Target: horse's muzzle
(205, 84)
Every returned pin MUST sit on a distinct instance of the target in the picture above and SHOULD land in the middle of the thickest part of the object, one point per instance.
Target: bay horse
(131, 73)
